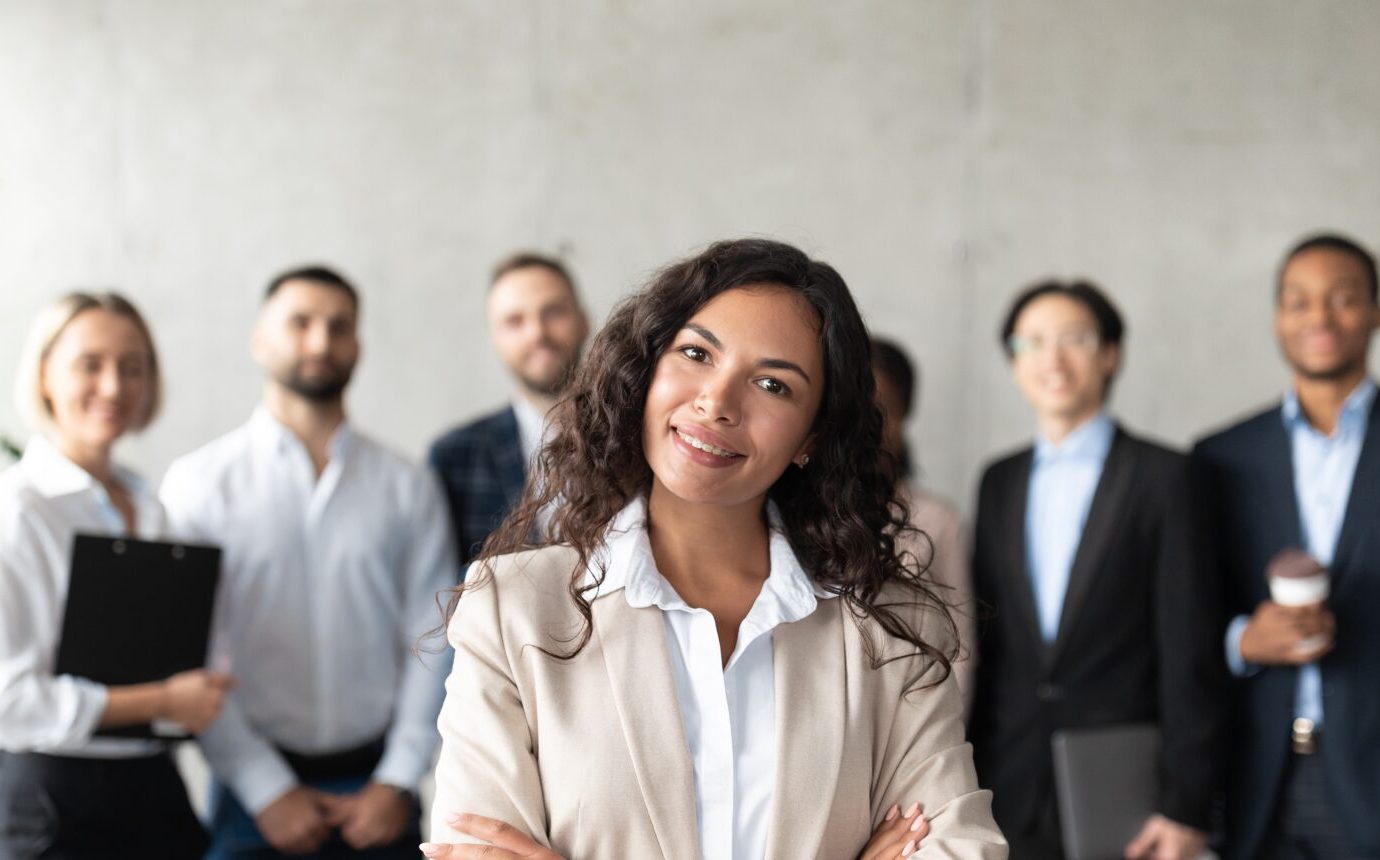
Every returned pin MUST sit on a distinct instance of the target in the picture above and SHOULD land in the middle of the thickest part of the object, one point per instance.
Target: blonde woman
(90, 375)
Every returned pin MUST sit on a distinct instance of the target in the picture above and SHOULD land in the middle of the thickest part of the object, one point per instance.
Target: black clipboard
(137, 611)
(1107, 781)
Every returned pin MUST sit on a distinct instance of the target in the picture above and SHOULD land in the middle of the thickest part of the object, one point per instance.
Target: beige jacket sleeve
(926, 759)
(488, 765)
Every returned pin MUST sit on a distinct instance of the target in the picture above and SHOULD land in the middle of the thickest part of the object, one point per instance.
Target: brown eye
(694, 353)
(773, 386)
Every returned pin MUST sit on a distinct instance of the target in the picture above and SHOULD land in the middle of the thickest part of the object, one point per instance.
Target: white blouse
(45, 501)
(729, 711)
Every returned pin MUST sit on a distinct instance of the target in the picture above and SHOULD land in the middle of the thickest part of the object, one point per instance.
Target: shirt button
(1049, 692)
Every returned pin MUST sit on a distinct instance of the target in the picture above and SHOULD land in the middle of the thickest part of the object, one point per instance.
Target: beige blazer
(589, 756)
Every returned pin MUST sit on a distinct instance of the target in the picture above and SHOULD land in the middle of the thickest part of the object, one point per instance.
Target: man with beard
(335, 549)
(1305, 475)
(538, 329)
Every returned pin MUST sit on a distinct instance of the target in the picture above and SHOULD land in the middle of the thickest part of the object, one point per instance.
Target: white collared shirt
(728, 711)
(328, 583)
(534, 429)
(45, 501)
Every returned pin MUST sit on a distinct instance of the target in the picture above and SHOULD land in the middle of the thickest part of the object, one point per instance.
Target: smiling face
(537, 327)
(733, 398)
(1325, 316)
(96, 380)
(1059, 361)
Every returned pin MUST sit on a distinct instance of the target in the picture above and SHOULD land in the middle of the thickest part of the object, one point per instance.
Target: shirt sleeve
(37, 709)
(240, 757)
(1238, 665)
(428, 569)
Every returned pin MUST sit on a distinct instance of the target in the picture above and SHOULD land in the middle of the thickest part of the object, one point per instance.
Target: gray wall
(941, 154)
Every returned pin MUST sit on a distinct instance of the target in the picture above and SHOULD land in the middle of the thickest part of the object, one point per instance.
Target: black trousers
(1306, 826)
(62, 808)
(1043, 839)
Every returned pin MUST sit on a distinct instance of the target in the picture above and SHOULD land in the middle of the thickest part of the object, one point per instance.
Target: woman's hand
(193, 699)
(505, 842)
(898, 835)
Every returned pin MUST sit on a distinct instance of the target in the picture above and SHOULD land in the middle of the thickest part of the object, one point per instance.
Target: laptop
(1107, 782)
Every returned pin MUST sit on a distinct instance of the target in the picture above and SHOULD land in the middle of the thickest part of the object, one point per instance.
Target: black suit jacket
(1139, 637)
(1249, 469)
(482, 469)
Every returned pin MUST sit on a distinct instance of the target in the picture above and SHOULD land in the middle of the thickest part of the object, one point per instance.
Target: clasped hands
(898, 836)
(302, 819)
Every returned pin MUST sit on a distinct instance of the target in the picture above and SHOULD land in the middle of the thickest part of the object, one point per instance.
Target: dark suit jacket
(1249, 469)
(482, 469)
(1139, 637)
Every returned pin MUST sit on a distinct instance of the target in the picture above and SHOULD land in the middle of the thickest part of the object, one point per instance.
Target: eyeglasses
(1083, 340)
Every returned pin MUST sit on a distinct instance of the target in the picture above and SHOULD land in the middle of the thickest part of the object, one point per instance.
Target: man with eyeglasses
(1087, 554)
(1303, 477)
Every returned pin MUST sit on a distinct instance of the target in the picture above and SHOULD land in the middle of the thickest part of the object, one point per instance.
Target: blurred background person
(944, 545)
(537, 328)
(1305, 474)
(1105, 612)
(88, 376)
(335, 550)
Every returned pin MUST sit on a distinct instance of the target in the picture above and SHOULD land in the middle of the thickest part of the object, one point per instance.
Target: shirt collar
(531, 423)
(54, 475)
(627, 554)
(1089, 442)
(1354, 411)
(270, 433)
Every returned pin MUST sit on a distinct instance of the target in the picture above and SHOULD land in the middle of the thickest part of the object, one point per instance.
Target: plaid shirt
(482, 468)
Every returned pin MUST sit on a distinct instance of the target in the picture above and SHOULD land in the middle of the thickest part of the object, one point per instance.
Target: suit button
(1049, 692)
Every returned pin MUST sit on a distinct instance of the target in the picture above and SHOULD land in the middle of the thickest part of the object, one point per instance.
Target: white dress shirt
(328, 583)
(729, 711)
(45, 501)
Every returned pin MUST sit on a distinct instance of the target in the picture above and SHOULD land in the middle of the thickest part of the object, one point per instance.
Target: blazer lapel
(1363, 508)
(1109, 504)
(1018, 591)
(1278, 475)
(811, 693)
(635, 654)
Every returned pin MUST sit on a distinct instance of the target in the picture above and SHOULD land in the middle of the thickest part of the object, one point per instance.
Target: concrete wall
(940, 152)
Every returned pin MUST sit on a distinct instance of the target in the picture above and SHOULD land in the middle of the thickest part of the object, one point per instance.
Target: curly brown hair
(841, 514)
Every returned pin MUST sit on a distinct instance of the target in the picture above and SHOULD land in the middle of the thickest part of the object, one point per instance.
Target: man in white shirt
(537, 328)
(335, 550)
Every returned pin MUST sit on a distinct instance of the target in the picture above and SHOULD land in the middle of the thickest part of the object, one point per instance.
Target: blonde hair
(51, 323)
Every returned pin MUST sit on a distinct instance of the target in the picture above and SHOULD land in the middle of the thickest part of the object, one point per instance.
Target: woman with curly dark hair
(718, 651)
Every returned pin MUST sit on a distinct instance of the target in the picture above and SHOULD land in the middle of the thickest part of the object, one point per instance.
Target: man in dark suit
(1089, 560)
(1305, 474)
(538, 329)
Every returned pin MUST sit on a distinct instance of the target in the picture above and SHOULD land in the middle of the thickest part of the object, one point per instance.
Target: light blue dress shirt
(1324, 467)
(1063, 479)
